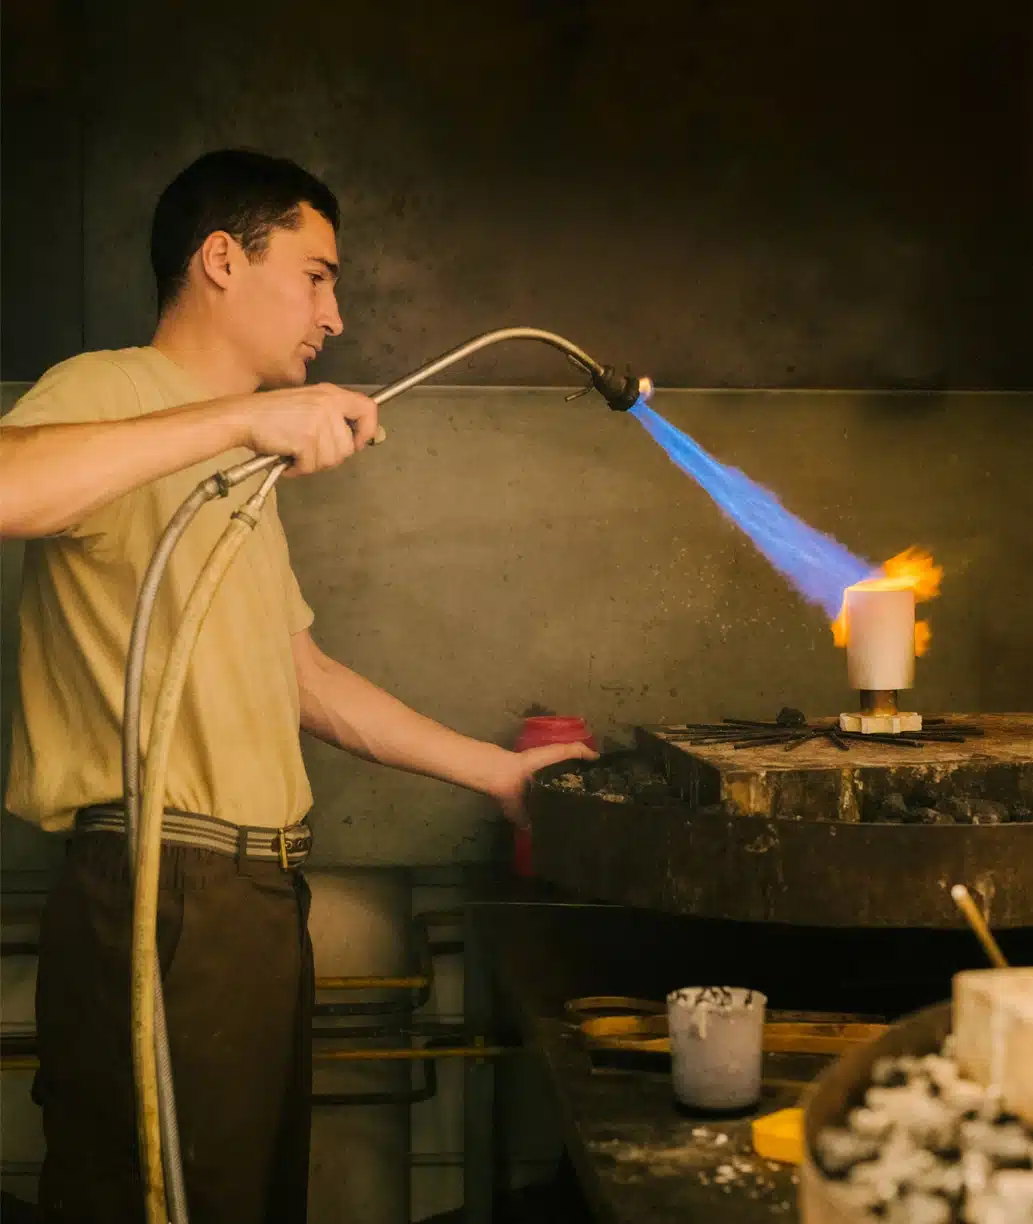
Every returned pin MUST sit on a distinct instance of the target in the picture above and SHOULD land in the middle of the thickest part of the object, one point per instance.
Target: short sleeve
(87, 388)
(299, 615)
(91, 387)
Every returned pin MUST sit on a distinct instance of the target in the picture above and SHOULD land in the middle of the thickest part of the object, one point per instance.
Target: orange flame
(913, 569)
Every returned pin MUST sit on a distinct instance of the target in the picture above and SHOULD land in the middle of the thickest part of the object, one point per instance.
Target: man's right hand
(52, 476)
(319, 426)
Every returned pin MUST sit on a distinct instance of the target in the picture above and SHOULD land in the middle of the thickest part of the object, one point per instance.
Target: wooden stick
(963, 900)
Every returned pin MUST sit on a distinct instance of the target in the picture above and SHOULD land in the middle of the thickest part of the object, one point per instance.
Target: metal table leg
(479, 1139)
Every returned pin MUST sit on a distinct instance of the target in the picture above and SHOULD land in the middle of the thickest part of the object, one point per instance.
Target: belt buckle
(282, 838)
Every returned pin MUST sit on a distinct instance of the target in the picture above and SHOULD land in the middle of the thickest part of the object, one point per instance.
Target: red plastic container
(544, 729)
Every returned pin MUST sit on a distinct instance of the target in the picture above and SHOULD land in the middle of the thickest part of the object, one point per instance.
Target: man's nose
(330, 318)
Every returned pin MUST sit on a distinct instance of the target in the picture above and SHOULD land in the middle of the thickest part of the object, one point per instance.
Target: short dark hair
(245, 193)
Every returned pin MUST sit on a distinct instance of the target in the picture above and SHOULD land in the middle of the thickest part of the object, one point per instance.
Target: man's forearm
(344, 709)
(51, 476)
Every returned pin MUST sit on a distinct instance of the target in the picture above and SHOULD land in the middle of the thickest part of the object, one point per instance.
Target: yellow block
(779, 1136)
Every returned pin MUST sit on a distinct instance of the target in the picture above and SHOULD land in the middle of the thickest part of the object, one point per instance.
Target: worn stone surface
(719, 863)
(985, 776)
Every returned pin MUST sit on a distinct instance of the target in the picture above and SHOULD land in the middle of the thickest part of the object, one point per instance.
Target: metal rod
(881, 702)
(415, 1054)
(817, 733)
(577, 355)
(372, 983)
(30, 1062)
(962, 898)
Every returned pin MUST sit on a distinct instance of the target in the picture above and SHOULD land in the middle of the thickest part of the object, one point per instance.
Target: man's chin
(296, 375)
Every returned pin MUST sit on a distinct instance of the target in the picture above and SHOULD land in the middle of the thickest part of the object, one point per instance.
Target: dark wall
(743, 193)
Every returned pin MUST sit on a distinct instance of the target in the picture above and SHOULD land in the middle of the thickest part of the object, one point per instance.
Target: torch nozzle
(621, 392)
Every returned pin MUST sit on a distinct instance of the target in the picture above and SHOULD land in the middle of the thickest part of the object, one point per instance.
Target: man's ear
(217, 258)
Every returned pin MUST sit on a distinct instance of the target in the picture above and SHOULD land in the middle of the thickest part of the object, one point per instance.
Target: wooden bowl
(840, 1089)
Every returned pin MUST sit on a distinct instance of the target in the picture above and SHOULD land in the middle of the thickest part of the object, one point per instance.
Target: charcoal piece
(929, 816)
(790, 717)
(608, 779)
(893, 808)
(988, 812)
(922, 796)
(960, 810)
(839, 1150)
(1020, 814)
(640, 770)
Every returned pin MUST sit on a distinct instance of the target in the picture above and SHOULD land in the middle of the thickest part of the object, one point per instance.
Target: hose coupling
(621, 392)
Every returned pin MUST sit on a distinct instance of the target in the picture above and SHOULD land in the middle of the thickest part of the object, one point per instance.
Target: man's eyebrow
(331, 267)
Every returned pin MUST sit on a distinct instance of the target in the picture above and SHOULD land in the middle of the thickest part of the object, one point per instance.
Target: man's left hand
(521, 765)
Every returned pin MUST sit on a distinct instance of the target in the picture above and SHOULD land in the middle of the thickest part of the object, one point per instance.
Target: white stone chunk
(993, 1031)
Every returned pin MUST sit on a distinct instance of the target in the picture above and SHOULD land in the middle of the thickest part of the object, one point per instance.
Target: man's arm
(52, 476)
(344, 709)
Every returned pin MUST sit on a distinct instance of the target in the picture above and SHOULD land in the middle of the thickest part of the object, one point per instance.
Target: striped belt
(288, 847)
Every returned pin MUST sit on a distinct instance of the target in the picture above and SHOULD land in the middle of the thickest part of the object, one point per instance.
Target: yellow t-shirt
(236, 753)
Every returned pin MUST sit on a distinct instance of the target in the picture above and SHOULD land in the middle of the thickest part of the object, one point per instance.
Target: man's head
(250, 242)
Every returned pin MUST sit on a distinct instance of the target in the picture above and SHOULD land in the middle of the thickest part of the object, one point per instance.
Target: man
(94, 460)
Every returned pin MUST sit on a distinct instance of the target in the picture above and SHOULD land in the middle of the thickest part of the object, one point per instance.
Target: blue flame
(818, 566)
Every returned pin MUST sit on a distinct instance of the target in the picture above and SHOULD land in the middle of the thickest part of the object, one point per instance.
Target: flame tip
(913, 569)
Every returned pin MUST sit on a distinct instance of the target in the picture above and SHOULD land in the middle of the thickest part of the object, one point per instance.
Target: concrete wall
(743, 193)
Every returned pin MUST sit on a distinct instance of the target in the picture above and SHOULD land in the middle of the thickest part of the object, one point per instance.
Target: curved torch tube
(159, 1140)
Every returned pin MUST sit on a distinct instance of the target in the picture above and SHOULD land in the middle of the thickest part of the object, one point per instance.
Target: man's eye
(315, 277)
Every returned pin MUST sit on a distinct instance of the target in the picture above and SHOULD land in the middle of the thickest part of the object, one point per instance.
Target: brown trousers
(236, 965)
